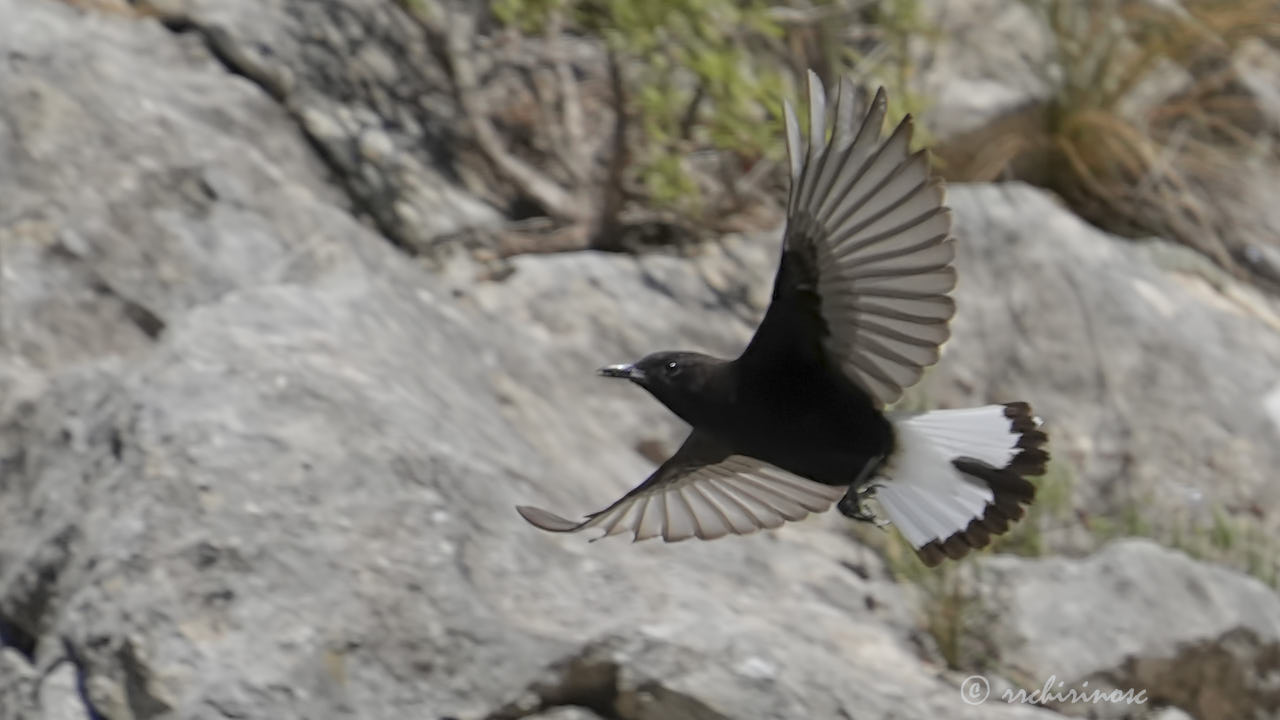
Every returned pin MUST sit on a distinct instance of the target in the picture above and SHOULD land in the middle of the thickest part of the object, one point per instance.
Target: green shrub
(701, 75)
(1137, 169)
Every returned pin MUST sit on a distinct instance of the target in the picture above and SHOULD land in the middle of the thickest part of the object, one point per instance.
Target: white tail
(956, 476)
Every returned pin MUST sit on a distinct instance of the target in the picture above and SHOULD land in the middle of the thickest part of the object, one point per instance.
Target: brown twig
(554, 198)
(614, 192)
(574, 151)
(690, 116)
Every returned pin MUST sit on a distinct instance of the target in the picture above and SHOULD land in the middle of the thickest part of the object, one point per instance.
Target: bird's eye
(673, 368)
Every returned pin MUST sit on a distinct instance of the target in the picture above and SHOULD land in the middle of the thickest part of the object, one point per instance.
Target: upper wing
(702, 491)
(866, 263)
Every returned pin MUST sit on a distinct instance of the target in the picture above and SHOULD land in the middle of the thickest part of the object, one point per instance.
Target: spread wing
(702, 491)
(866, 262)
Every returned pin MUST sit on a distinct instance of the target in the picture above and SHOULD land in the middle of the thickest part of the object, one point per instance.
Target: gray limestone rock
(1137, 616)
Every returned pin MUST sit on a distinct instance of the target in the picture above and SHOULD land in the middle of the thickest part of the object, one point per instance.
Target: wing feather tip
(546, 520)
(880, 99)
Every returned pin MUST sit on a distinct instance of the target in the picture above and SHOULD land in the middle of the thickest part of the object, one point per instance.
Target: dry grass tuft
(1149, 124)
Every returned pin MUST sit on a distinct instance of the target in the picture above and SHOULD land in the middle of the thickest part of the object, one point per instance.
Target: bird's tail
(957, 477)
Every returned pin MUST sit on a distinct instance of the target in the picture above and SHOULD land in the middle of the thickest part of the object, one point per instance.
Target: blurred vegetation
(1145, 107)
(703, 77)
(954, 617)
(1232, 539)
(695, 90)
(710, 75)
(1124, 150)
(885, 58)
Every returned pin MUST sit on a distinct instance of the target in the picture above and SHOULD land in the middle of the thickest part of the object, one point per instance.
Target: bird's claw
(852, 505)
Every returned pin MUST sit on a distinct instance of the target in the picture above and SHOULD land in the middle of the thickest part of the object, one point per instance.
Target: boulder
(1136, 616)
(985, 59)
(363, 82)
(140, 180)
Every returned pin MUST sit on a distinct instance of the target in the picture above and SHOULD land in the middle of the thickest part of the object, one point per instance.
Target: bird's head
(678, 379)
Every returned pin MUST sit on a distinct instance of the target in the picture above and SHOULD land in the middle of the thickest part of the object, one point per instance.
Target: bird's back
(805, 417)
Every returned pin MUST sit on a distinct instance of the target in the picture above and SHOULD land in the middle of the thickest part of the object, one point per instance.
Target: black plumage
(860, 307)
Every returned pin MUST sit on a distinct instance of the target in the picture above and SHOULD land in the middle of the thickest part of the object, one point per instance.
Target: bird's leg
(851, 505)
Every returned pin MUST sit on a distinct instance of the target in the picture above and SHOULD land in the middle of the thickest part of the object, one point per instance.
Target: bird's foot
(852, 505)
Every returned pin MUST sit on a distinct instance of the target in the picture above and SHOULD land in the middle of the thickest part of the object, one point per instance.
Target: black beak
(628, 372)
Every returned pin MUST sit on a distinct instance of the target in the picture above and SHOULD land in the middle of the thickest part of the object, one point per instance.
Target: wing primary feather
(841, 140)
(844, 241)
(660, 501)
(934, 284)
(695, 494)
(817, 156)
(817, 116)
(804, 489)
(548, 520)
(873, 274)
(713, 486)
(853, 259)
(900, 135)
(915, 165)
(868, 134)
(941, 316)
(840, 133)
(874, 328)
(868, 366)
(892, 355)
(889, 208)
(897, 252)
(641, 513)
(775, 500)
(617, 524)
(793, 152)
(682, 524)
(759, 510)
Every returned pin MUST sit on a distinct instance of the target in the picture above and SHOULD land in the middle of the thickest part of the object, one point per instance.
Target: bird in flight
(861, 304)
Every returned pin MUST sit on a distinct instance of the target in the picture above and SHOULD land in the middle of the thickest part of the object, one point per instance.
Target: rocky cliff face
(257, 463)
